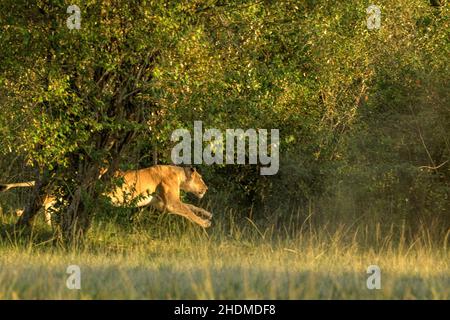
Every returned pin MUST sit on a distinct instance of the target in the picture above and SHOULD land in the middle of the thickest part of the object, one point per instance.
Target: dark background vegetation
(364, 116)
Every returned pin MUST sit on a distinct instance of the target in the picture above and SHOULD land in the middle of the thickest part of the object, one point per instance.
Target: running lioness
(158, 186)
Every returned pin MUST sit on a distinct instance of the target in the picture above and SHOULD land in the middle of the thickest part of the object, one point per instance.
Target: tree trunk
(35, 202)
(76, 218)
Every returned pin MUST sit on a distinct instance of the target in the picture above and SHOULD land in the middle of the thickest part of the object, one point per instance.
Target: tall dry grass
(165, 257)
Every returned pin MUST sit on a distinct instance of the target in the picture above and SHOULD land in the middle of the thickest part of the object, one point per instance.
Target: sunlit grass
(165, 257)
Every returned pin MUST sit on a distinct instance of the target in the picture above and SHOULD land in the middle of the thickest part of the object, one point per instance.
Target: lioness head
(194, 183)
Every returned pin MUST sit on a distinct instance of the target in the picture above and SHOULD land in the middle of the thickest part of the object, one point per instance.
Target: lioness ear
(188, 171)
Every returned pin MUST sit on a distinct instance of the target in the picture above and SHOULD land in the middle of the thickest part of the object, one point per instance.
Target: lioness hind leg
(47, 217)
(48, 205)
(203, 212)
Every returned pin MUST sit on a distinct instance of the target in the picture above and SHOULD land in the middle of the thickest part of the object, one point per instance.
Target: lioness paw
(205, 223)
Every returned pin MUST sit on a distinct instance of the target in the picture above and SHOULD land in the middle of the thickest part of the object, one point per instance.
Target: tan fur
(158, 186)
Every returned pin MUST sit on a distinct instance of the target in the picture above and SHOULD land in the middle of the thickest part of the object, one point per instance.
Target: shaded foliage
(363, 115)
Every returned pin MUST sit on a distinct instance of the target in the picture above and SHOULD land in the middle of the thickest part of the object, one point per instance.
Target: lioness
(158, 186)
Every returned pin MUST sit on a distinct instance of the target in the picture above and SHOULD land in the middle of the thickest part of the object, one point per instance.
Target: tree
(80, 96)
(116, 88)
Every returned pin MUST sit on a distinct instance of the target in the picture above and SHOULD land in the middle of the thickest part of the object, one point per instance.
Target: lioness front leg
(203, 212)
(169, 200)
(183, 210)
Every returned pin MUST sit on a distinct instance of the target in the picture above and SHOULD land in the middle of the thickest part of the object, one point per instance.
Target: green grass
(165, 257)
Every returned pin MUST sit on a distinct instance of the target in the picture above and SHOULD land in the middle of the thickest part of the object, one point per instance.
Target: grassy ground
(164, 257)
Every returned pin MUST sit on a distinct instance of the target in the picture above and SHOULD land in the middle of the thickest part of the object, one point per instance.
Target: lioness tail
(6, 187)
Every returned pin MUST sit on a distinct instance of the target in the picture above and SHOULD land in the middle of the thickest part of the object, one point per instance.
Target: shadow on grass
(227, 282)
